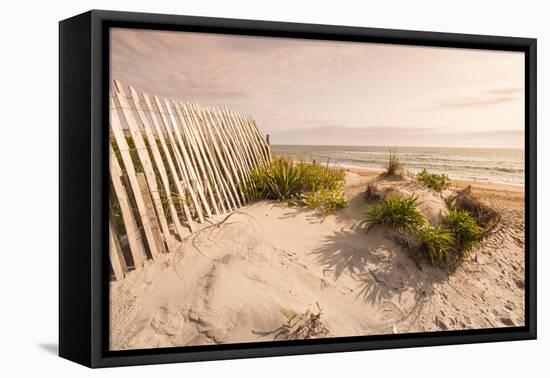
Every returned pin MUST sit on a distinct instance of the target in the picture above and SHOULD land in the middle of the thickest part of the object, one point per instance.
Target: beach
(480, 165)
(241, 276)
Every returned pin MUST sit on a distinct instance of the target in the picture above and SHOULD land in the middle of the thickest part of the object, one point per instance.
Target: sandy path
(229, 284)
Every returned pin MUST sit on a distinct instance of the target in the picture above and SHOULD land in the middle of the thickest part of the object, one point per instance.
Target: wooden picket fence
(172, 166)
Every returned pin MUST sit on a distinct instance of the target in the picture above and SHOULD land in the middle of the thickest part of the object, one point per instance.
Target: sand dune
(232, 283)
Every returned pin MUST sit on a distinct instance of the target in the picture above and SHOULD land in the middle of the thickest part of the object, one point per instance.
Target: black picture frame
(83, 182)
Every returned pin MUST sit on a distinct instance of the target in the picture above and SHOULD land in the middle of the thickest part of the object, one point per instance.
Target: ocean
(500, 165)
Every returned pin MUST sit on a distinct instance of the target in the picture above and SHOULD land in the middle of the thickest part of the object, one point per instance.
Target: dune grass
(485, 216)
(397, 213)
(314, 185)
(458, 234)
(318, 176)
(436, 241)
(437, 182)
(466, 231)
(279, 180)
(394, 165)
(326, 200)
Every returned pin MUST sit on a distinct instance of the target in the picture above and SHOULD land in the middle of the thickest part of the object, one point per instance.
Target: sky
(335, 93)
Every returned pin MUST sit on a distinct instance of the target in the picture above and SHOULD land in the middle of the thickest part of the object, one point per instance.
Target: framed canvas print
(234, 188)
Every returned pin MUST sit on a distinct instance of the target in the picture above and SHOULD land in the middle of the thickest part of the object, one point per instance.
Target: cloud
(397, 136)
(195, 64)
(507, 91)
(342, 135)
(487, 98)
(466, 102)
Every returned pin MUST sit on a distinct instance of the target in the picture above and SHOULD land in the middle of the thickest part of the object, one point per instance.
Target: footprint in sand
(520, 283)
(167, 321)
(507, 321)
(441, 324)
(208, 326)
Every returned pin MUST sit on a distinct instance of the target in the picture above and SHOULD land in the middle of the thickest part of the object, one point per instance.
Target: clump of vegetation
(394, 165)
(326, 200)
(436, 241)
(437, 182)
(279, 180)
(305, 326)
(461, 230)
(372, 193)
(317, 176)
(459, 233)
(397, 213)
(315, 185)
(467, 232)
(485, 216)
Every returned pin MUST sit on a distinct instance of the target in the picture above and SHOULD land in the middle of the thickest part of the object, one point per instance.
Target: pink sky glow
(320, 92)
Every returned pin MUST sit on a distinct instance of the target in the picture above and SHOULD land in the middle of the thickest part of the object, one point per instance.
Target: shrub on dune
(456, 235)
(466, 231)
(315, 185)
(397, 213)
(318, 176)
(394, 165)
(485, 216)
(437, 182)
(325, 199)
(436, 242)
(281, 180)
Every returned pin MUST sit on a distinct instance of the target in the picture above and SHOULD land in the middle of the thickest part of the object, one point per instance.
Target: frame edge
(75, 276)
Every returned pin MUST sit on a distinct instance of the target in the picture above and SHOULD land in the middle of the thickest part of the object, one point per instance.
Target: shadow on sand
(382, 268)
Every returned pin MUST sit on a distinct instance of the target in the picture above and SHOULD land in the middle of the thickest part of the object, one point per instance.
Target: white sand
(229, 284)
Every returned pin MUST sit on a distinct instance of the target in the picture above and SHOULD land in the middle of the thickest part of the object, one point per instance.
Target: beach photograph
(270, 189)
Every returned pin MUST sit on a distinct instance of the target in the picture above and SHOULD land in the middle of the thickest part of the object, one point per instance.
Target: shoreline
(460, 182)
(455, 182)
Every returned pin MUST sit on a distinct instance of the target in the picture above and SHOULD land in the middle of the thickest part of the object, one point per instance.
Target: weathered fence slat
(226, 171)
(144, 158)
(239, 144)
(158, 162)
(151, 219)
(247, 147)
(228, 140)
(264, 139)
(205, 157)
(201, 132)
(256, 152)
(233, 173)
(132, 232)
(115, 254)
(182, 193)
(199, 164)
(131, 174)
(193, 182)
